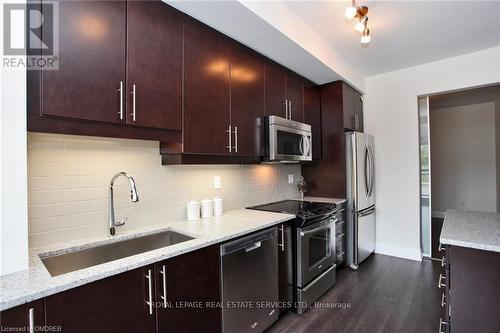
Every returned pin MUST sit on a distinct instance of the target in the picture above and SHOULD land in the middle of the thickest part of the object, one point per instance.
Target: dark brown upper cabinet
(247, 100)
(295, 97)
(284, 93)
(275, 88)
(91, 63)
(207, 119)
(154, 65)
(115, 304)
(358, 110)
(352, 106)
(312, 116)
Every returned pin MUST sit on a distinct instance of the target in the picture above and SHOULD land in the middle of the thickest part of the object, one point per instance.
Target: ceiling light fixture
(362, 25)
(365, 38)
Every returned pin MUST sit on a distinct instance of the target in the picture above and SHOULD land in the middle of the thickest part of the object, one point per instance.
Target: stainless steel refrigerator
(360, 166)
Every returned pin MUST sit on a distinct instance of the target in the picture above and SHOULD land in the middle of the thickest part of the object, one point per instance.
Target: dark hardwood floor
(386, 294)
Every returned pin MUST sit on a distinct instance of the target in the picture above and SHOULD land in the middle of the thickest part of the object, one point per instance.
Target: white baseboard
(400, 252)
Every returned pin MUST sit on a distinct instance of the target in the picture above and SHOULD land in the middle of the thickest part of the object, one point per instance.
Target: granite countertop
(36, 282)
(323, 199)
(477, 230)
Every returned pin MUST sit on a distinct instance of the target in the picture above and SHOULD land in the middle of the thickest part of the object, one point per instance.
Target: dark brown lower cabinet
(470, 290)
(19, 318)
(188, 292)
(285, 273)
(114, 304)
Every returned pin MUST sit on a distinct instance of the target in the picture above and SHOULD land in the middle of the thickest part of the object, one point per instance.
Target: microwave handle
(307, 145)
(301, 146)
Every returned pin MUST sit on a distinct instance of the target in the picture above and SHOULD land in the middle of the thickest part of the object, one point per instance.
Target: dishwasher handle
(248, 243)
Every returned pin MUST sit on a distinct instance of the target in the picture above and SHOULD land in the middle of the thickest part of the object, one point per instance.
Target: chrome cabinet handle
(440, 284)
(120, 89)
(341, 235)
(133, 93)
(31, 319)
(442, 300)
(282, 245)
(441, 323)
(341, 254)
(228, 131)
(443, 261)
(290, 110)
(150, 292)
(163, 272)
(286, 109)
(235, 139)
(441, 247)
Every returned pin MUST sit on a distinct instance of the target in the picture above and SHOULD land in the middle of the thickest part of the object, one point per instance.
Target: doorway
(459, 157)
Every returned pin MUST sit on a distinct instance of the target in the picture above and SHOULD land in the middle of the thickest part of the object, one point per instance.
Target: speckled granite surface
(327, 200)
(36, 282)
(477, 230)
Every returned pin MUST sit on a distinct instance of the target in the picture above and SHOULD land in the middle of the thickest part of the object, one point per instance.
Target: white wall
(463, 158)
(69, 178)
(391, 115)
(13, 205)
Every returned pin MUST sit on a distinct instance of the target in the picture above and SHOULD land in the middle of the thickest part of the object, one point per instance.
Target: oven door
(289, 144)
(315, 250)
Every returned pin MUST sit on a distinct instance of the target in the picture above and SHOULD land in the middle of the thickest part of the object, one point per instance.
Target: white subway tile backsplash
(68, 185)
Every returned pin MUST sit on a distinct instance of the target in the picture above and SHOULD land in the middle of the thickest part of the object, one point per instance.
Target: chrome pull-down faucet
(133, 195)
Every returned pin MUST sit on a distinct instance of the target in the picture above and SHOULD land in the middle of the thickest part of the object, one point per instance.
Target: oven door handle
(303, 233)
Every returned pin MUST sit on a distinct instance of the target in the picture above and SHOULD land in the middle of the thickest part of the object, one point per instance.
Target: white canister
(193, 210)
(206, 208)
(218, 207)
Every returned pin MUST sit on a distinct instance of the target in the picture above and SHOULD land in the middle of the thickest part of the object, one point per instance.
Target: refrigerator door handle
(372, 171)
(367, 212)
(366, 169)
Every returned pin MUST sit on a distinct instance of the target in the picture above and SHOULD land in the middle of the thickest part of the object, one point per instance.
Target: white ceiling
(404, 33)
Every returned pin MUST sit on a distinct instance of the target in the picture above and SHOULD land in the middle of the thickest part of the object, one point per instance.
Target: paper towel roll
(218, 206)
(206, 208)
(193, 210)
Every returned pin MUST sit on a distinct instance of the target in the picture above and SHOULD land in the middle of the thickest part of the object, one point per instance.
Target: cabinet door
(312, 116)
(91, 62)
(192, 283)
(285, 267)
(206, 90)
(348, 107)
(275, 87)
(247, 100)
(295, 96)
(358, 111)
(115, 304)
(154, 65)
(18, 318)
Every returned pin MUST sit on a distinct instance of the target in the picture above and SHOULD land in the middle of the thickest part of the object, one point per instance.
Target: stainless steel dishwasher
(250, 282)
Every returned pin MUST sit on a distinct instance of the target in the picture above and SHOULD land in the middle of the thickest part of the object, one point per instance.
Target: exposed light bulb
(351, 12)
(359, 27)
(365, 39)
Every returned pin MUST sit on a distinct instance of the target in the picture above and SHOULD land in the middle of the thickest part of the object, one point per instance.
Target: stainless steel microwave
(287, 140)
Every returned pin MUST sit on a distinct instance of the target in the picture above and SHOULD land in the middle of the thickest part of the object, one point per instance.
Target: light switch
(290, 179)
(217, 183)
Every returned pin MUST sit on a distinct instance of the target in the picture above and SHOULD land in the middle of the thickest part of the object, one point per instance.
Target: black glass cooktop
(302, 209)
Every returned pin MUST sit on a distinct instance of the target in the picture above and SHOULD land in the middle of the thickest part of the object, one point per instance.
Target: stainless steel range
(312, 234)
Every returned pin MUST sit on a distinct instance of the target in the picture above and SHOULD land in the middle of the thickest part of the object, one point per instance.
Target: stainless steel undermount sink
(72, 261)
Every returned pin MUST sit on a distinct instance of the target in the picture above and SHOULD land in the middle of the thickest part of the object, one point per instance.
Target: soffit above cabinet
(256, 25)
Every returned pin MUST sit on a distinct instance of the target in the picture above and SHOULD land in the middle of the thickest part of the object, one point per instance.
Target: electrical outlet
(290, 179)
(217, 183)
